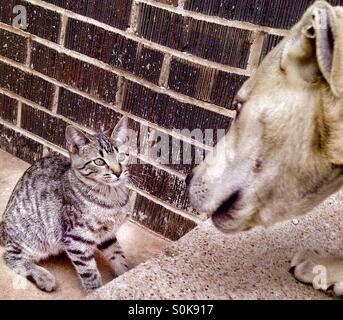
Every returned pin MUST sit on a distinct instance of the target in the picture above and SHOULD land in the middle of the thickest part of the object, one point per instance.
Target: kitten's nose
(189, 178)
(117, 170)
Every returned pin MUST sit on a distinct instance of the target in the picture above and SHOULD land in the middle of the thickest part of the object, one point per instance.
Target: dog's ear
(328, 28)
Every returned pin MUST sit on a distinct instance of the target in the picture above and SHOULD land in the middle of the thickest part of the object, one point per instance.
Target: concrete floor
(138, 243)
(205, 264)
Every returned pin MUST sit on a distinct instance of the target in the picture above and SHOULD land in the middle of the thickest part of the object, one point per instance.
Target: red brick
(13, 46)
(148, 64)
(175, 153)
(26, 85)
(160, 219)
(159, 183)
(211, 41)
(81, 75)
(115, 13)
(170, 113)
(41, 22)
(8, 109)
(277, 14)
(103, 45)
(270, 41)
(114, 49)
(19, 145)
(43, 125)
(225, 87)
(86, 112)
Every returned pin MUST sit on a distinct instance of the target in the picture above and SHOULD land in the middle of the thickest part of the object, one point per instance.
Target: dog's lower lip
(225, 209)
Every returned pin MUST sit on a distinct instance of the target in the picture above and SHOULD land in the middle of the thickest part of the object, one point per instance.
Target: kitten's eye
(99, 162)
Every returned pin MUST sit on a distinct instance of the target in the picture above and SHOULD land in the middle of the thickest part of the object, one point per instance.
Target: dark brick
(148, 64)
(81, 75)
(211, 41)
(204, 83)
(109, 47)
(115, 13)
(225, 87)
(183, 77)
(8, 109)
(114, 49)
(170, 113)
(270, 41)
(41, 22)
(175, 153)
(160, 219)
(86, 112)
(43, 125)
(19, 145)
(272, 13)
(13, 46)
(26, 85)
(161, 184)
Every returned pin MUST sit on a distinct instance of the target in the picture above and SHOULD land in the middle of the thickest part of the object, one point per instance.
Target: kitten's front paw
(44, 280)
(119, 264)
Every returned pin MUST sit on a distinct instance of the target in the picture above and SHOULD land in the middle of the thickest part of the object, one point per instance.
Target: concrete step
(205, 264)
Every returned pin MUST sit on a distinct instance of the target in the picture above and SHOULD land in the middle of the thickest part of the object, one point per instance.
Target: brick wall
(167, 64)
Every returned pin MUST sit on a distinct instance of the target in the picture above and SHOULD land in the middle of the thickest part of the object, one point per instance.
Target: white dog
(284, 152)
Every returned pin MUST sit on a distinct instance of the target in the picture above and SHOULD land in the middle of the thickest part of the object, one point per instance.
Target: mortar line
(108, 105)
(28, 51)
(173, 94)
(183, 55)
(165, 70)
(64, 22)
(133, 17)
(55, 99)
(255, 52)
(120, 93)
(19, 108)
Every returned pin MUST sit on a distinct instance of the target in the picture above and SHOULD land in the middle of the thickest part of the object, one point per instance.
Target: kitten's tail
(2, 234)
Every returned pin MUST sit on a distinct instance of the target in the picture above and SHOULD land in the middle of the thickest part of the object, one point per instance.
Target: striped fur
(74, 205)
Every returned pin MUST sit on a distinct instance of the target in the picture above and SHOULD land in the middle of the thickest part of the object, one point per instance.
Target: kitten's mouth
(114, 182)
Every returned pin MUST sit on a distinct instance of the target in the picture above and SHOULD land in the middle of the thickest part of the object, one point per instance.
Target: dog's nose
(189, 178)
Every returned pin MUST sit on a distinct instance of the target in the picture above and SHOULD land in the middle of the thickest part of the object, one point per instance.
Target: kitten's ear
(120, 132)
(75, 139)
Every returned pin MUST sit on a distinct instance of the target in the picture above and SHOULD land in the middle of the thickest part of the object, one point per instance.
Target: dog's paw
(322, 272)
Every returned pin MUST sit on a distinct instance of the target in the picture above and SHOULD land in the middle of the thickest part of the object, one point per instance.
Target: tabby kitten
(74, 205)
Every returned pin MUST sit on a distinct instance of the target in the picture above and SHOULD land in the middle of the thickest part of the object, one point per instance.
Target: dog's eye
(237, 105)
(99, 162)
